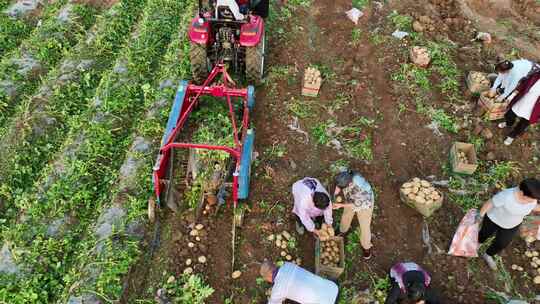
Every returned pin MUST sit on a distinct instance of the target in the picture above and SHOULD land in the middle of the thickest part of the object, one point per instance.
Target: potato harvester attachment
(188, 97)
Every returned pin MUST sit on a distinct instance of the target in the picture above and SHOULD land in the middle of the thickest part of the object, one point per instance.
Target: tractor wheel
(255, 62)
(199, 62)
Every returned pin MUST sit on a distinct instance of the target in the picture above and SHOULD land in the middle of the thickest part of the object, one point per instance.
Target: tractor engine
(226, 45)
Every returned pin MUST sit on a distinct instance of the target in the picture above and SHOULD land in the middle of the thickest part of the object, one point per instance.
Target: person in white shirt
(525, 105)
(311, 201)
(505, 212)
(297, 284)
(509, 76)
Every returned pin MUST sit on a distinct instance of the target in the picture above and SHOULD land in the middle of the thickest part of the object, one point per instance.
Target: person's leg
(346, 219)
(520, 128)
(487, 229)
(509, 119)
(503, 238)
(300, 229)
(364, 220)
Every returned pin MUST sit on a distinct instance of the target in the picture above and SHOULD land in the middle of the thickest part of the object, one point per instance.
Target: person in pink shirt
(311, 201)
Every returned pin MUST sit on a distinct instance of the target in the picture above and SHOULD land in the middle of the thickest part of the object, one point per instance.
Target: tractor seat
(228, 9)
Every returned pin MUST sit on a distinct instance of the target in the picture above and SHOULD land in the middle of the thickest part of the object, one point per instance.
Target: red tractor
(229, 32)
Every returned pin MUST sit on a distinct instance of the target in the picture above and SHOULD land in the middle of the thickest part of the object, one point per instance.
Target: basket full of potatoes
(329, 253)
(421, 195)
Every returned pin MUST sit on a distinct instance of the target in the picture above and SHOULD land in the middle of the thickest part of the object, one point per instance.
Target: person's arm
(496, 84)
(328, 215)
(537, 208)
(306, 221)
(485, 208)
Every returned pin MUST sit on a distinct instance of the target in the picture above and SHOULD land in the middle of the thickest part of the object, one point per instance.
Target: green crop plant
(444, 65)
(444, 120)
(13, 30)
(22, 161)
(320, 133)
(88, 178)
(47, 45)
(150, 127)
(188, 289)
(473, 191)
(413, 77)
(401, 22)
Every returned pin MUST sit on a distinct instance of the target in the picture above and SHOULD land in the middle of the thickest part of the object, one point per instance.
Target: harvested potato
(198, 239)
(202, 259)
(288, 257)
(407, 190)
(425, 183)
(188, 262)
(278, 243)
(191, 244)
(283, 253)
(416, 180)
(534, 265)
(514, 267)
(535, 253)
(279, 237)
(286, 235)
(271, 237)
(537, 280)
(188, 270)
(339, 199)
(283, 245)
(194, 233)
(199, 226)
(415, 189)
(520, 268)
(236, 274)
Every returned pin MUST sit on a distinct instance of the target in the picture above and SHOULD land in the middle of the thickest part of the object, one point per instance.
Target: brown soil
(403, 148)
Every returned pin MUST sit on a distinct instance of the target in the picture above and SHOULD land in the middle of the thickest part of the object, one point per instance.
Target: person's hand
(317, 233)
(336, 206)
(491, 93)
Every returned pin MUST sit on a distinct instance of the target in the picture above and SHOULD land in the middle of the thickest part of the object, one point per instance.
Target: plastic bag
(354, 14)
(465, 241)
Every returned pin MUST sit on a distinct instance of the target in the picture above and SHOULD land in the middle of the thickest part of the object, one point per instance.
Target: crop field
(86, 88)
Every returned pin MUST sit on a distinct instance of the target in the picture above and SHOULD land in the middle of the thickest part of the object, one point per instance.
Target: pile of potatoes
(330, 253)
(420, 191)
(197, 235)
(462, 157)
(326, 232)
(535, 264)
(479, 78)
(281, 241)
(490, 97)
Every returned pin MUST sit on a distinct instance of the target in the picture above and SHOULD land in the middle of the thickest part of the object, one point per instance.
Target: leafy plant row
(30, 145)
(41, 51)
(14, 30)
(89, 175)
(115, 253)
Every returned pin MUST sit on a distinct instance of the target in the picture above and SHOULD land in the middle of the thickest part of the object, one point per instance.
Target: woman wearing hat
(359, 200)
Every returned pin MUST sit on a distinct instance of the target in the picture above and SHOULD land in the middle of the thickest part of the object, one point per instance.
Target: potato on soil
(271, 237)
(288, 257)
(191, 244)
(199, 226)
(286, 235)
(202, 259)
(236, 274)
(188, 270)
(283, 253)
(537, 280)
(188, 262)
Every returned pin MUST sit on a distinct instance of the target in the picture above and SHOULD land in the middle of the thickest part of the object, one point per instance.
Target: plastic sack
(465, 241)
(354, 14)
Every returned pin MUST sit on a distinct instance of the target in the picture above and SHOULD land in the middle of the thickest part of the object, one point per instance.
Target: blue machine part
(245, 165)
(174, 115)
(251, 97)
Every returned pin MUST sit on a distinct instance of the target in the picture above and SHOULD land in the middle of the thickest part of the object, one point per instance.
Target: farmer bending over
(505, 213)
(410, 282)
(525, 105)
(295, 283)
(509, 76)
(359, 200)
(311, 201)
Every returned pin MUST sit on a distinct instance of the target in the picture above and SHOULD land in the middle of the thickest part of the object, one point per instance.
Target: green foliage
(361, 149)
(444, 65)
(356, 35)
(476, 188)
(360, 4)
(320, 133)
(85, 186)
(401, 22)
(302, 3)
(444, 120)
(413, 77)
(188, 289)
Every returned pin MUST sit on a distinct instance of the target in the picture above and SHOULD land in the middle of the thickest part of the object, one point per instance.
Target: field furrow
(22, 69)
(36, 130)
(17, 21)
(115, 237)
(89, 162)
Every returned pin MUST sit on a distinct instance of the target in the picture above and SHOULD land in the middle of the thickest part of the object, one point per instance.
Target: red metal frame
(193, 92)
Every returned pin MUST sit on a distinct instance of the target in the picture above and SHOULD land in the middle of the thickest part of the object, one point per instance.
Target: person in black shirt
(411, 282)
